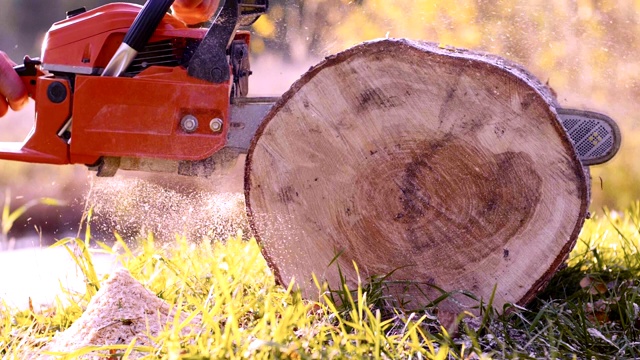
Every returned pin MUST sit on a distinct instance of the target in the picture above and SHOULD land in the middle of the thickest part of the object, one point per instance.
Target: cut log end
(442, 168)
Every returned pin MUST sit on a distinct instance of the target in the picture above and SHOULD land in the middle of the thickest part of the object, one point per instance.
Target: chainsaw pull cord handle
(138, 35)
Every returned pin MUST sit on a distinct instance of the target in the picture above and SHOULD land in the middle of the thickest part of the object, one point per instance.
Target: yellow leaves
(265, 27)
(607, 5)
(599, 57)
(463, 12)
(585, 9)
(471, 36)
(426, 10)
(450, 22)
(551, 57)
(390, 10)
(358, 28)
(257, 45)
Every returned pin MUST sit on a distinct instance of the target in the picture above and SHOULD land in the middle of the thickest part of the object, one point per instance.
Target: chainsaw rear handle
(146, 23)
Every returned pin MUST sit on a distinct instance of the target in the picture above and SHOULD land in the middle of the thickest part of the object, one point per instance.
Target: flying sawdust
(167, 206)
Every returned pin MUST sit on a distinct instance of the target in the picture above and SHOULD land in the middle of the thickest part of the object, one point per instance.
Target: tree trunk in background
(441, 168)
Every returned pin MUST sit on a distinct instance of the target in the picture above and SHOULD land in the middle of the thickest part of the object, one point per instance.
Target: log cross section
(441, 167)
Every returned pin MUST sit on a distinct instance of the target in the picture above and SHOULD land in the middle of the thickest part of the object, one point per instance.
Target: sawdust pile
(121, 311)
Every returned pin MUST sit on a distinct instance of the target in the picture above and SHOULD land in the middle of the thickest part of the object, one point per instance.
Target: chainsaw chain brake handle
(209, 61)
(137, 36)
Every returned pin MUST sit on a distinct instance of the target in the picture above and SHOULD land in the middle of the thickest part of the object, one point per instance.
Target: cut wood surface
(442, 167)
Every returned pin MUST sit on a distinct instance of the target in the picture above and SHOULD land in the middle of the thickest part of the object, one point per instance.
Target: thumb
(11, 86)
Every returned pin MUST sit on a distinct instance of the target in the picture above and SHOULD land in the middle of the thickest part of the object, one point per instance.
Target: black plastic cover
(74, 12)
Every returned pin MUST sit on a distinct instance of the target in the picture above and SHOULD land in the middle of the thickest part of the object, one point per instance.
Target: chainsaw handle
(146, 23)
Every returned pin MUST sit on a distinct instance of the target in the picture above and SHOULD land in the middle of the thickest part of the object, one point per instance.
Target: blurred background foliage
(588, 51)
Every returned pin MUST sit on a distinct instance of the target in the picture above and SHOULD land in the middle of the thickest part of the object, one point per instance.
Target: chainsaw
(186, 107)
(124, 87)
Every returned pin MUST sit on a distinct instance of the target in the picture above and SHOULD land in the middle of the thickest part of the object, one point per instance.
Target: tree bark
(442, 168)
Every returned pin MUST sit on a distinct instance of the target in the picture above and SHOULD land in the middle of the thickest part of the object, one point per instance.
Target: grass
(9, 217)
(589, 310)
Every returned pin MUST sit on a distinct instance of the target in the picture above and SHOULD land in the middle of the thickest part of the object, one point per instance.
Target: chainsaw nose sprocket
(596, 137)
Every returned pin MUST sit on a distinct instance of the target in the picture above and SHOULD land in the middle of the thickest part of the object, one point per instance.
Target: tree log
(439, 167)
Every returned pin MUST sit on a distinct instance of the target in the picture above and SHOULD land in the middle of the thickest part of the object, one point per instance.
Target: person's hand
(195, 11)
(12, 91)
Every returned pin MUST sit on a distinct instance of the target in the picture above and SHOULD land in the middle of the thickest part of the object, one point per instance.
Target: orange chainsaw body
(82, 117)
